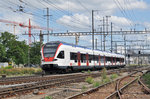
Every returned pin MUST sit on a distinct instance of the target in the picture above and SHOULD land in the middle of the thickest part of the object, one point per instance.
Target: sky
(75, 16)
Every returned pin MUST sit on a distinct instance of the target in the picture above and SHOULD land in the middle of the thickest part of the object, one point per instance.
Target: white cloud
(16, 17)
(77, 21)
(81, 18)
(78, 8)
(135, 4)
(120, 20)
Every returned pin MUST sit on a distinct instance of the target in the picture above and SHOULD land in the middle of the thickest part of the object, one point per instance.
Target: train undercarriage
(54, 68)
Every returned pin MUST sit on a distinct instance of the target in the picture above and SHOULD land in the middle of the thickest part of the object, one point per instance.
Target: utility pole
(100, 30)
(47, 24)
(101, 41)
(29, 43)
(104, 32)
(116, 46)
(125, 47)
(111, 37)
(47, 15)
(107, 24)
(41, 38)
(96, 44)
(93, 29)
(41, 42)
(76, 39)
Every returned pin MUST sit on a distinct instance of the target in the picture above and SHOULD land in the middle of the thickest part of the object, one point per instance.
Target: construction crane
(25, 26)
(14, 26)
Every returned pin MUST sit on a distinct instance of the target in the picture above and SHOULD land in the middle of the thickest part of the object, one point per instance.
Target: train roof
(73, 45)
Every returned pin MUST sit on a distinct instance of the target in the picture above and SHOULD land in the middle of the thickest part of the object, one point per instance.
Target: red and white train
(58, 55)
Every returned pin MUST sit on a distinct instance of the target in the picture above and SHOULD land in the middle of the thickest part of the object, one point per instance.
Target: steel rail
(27, 79)
(114, 95)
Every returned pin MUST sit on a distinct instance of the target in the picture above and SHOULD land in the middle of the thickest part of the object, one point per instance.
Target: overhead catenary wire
(122, 10)
(63, 11)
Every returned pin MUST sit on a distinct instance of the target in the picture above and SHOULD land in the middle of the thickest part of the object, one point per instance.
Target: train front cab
(51, 55)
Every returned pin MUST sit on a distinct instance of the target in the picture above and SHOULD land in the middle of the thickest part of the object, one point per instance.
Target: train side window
(83, 58)
(117, 59)
(90, 58)
(102, 59)
(96, 58)
(61, 55)
(122, 59)
(108, 59)
(73, 56)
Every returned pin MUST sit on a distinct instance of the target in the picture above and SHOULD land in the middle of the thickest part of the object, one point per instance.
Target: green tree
(2, 53)
(7, 39)
(35, 55)
(16, 50)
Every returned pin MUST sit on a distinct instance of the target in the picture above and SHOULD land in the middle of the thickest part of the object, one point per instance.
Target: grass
(113, 76)
(138, 65)
(89, 72)
(104, 79)
(84, 88)
(48, 97)
(125, 83)
(146, 78)
(83, 71)
(104, 73)
(19, 71)
(96, 84)
(89, 80)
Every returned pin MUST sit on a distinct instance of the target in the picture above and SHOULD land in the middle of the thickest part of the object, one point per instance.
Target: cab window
(61, 55)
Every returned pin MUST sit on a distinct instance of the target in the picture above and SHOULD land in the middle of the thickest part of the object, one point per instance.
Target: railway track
(135, 89)
(53, 81)
(115, 89)
(16, 90)
(28, 79)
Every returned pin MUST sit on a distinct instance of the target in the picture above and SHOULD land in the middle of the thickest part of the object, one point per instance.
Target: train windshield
(49, 49)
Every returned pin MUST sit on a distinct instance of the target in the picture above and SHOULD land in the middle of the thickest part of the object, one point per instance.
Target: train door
(104, 61)
(99, 59)
(115, 60)
(112, 61)
(87, 59)
(79, 58)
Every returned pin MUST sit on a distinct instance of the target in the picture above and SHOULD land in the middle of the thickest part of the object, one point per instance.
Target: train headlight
(54, 59)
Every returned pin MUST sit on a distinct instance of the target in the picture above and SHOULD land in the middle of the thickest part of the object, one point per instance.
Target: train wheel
(69, 69)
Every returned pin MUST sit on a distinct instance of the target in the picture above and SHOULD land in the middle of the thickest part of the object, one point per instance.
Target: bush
(104, 73)
(105, 80)
(19, 71)
(89, 71)
(8, 67)
(48, 97)
(146, 78)
(82, 71)
(89, 80)
(113, 76)
(96, 84)
(84, 88)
